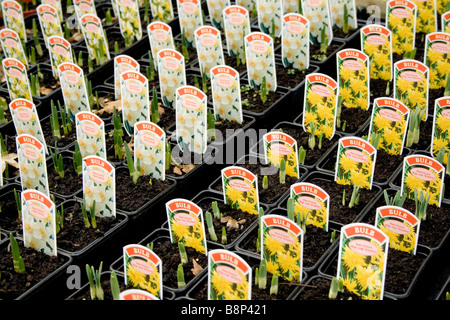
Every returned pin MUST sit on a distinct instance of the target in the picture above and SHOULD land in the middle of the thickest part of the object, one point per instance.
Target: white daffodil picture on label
(49, 21)
(190, 18)
(55, 4)
(160, 37)
(338, 16)
(247, 4)
(92, 29)
(215, 9)
(83, 7)
(318, 14)
(209, 48)
(270, 13)
(295, 41)
(236, 26)
(290, 6)
(123, 63)
(16, 79)
(12, 45)
(172, 74)
(60, 51)
(90, 134)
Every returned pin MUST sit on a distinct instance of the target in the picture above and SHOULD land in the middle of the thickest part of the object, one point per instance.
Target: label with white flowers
(12, 45)
(162, 10)
(270, 13)
(318, 14)
(90, 130)
(355, 162)
(16, 79)
(14, 20)
(353, 78)
(160, 37)
(186, 224)
(247, 4)
(99, 186)
(32, 163)
(279, 145)
(39, 222)
(122, 63)
(311, 204)
(191, 125)
(376, 42)
(445, 22)
(143, 269)
(295, 41)
(240, 189)
(319, 115)
(260, 60)
(49, 21)
(291, 6)
(343, 14)
(172, 74)
(136, 294)
(60, 51)
(150, 149)
(215, 9)
(129, 19)
(441, 128)
(236, 26)
(400, 225)
(426, 21)
(209, 49)
(73, 87)
(226, 93)
(57, 5)
(229, 276)
(191, 17)
(388, 125)
(92, 29)
(83, 7)
(401, 20)
(423, 175)
(281, 237)
(370, 246)
(437, 58)
(135, 99)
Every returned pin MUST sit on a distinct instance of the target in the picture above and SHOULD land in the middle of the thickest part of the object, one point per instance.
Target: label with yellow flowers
(143, 269)
(99, 186)
(209, 49)
(426, 16)
(236, 26)
(401, 226)
(16, 79)
(32, 163)
(445, 22)
(423, 175)
(150, 149)
(60, 51)
(240, 189)
(355, 162)
(73, 86)
(226, 93)
(190, 16)
(160, 37)
(135, 99)
(295, 44)
(39, 222)
(12, 45)
(318, 14)
(388, 125)
(362, 259)
(401, 20)
(83, 7)
(172, 74)
(353, 78)
(186, 224)
(282, 246)
(280, 145)
(215, 10)
(229, 276)
(319, 114)
(437, 58)
(92, 29)
(55, 4)
(441, 128)
(411, 84)
(311, 203)
(162, 10)
(270, 13)
(136, 294)
(129, 19)
(14, 20)
(122, 63)
(376, 42)
(49, 21)
(90, 134)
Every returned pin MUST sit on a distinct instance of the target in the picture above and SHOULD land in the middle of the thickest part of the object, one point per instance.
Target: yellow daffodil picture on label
(441, 129)
(445, 19)
(90, 130)
(236, 27)
(162, 10)
(295, 41)
(401, 20)
(376, 42)
(123, 63)
(12, 45)
(240, 189)
(426, 16)
(16, 79)
(13, 18)
(49, 21)
(437, 58)
(280, 145)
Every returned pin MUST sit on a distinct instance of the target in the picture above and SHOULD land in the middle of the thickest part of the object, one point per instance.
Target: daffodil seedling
(301, 155)
(93, 220)
(354, 199)
(135, 171)
(19, 265)
(274, 284)
(262, 274)
(18, 203)
(414, 126)
(337, 285)
(3, 118)
(154, 107)
(283, 171)
(323, 40)
(397, 200)
(312, 136)
(59, 219)
(215, 210)
(345, 24)
(168, 159)
(421, 202)
(290, 209)
(37, 43)
(183, 254)
(58, 163)
(95, 283)
(77, 160)
(258, 240)
(180, 277)
(224, 235)
(263, 90)
(210, 226)
(211, 125)
(114, 283)
(265, 183)
(54, 120)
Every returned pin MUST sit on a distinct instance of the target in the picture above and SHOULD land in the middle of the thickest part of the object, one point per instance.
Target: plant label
(236, 24)
(83, 7)
(279, 145)
(318, 14)
(49, 21)
(401, 226)
(142, 263)
(388, 125)
(240, 189)
(150, 149)
(355, 162)
(12, 45)
(172, 74)
(319, 114)
(437, 58)
(32, 163)
(90, 130)
(191, 121)
(99, 186)
(441, 128)
(190, 17)
(226, 267)
(358, 242)
(186, 224)
(57, 5)
(260, 60)
(209, 49)
(445, 25)
(311, 204)
(282, 237)
(343, 14)
(215, 9)
(73, 86)
(401, 20)
(423, 175)
(135, 99)
(270, 13)
(60, 51)
(136, 294)
(247, 4)
(160, 37)
(39, 222)
(16, 79)
(162, 10)
(376, 42)
(295, 41)
(226, 93)
(13, 18)
(123, 63)
(426, 16)
(92, 29)
(129, 19)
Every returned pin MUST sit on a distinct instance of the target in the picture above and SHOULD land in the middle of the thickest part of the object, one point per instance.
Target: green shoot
(151, 68)
(274, 284)
(183, 254)
(338, 112)
(85, 215)
(414, 126)
(215, 210)
(262, 276)
(263, 89)
(57, 161)
(343, 198)
(54, 121)
(312, 136)
(180, 276)
(301, 155)
(204, 82)
(117, 122)
(19, 265)
(108, 16)
(224, 236)
(211, 125)
(77, 160)
(265, 183)
(135, 173)
(114, 283)
(154, 107)
(18, 203)
(93, 217)
(95, 283)
(283, 171)
(168, 158)
(3, 118)
(345, 25)
(375, 139)
(258, 241)
(184, 48)
(421, 202)
(323, 40)
(354, 200)
(290, 209)
(210, 226)
(396, 200)
(60, 219)
(337, 285)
